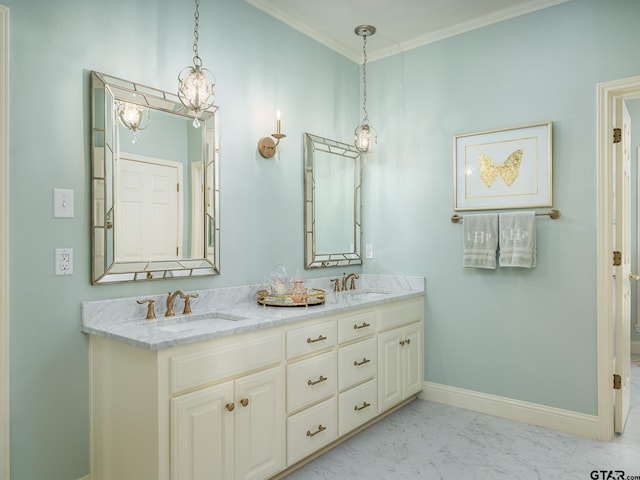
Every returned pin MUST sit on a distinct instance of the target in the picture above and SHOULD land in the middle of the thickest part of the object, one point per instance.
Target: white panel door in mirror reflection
(148, 206)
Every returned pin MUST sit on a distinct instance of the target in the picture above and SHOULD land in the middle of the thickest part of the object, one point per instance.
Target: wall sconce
(266, 145)
(131, 116)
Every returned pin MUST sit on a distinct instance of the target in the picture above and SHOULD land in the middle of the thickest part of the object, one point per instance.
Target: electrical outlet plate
(62, 203)
(64, 261)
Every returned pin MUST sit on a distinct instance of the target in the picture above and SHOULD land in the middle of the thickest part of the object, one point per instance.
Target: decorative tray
(313, 296)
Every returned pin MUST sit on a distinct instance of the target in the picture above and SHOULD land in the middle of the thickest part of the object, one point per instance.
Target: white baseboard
(635, 348)
(532, 413)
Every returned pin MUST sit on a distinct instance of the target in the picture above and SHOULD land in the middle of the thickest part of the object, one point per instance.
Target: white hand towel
(518, 239)
(480, 240)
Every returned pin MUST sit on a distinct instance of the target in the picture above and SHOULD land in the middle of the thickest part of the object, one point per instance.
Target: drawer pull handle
(364, 360)
(364, 405)
(230, 406)
(244, 402)
(321, 428)
(364, 325)
(319, 339)
(321, 379)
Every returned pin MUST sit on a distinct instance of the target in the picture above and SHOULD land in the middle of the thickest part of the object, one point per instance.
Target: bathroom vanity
(237, 390)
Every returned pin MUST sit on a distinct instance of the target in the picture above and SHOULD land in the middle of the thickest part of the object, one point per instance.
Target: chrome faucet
(170, 299)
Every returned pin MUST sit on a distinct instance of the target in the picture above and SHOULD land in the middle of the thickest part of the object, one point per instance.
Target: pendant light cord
(365, 120)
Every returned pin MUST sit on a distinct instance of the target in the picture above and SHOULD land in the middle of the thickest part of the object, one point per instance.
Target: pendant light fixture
(365, 135)
(196, 85)
(132, 117)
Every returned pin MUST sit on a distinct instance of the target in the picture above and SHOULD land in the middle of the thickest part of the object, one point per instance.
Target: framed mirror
(154, 185)
(332, 197)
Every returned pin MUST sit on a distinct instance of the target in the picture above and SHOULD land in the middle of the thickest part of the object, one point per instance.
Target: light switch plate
(62, 203)
(368, 250)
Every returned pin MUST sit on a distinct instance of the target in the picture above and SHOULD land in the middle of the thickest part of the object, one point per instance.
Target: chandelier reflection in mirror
(196, 85)
(365, 135)
(132, 116)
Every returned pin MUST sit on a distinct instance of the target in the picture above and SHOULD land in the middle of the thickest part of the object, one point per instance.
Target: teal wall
(527, 335)
(260, 66)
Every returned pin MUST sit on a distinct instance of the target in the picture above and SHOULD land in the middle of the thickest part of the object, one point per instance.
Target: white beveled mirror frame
(332, 203)
(194, 248)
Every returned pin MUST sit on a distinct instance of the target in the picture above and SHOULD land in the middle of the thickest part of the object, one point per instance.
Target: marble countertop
(228, 311)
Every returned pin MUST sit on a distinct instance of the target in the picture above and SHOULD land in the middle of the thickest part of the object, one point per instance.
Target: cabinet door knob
(402, 343)
(321, 379)
(231, 406)
(244, 402)
(408, 341)
(321, 428)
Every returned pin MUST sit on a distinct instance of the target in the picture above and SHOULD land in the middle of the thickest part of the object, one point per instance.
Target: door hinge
(617, 258)
(617, 135)
(617, 381)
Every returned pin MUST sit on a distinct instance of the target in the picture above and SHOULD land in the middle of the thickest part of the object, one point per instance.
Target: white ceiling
(401, 24)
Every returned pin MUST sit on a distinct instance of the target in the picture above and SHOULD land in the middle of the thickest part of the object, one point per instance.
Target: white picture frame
(503, 169)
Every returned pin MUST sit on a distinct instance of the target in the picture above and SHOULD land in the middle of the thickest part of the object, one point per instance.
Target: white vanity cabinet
(209, 410)
(400, 353)
(253, 405)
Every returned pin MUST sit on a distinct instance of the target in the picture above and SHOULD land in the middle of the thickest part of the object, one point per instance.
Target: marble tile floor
(427, 440)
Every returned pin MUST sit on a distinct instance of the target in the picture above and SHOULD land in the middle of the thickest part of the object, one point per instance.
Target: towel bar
(554, 214)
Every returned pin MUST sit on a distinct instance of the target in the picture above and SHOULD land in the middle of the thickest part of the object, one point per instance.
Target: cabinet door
(260, 424)
(202, 434)
(389, 369)
(413, 361)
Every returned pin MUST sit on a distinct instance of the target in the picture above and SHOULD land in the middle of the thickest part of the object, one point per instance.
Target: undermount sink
(192, 322)
(367, 293)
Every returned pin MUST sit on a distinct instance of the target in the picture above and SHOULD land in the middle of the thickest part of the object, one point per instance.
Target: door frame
(607, 93)
(4, 243)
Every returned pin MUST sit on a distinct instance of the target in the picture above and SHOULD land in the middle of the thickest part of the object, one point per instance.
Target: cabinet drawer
(357, 406)
(356, 363)
(356, 326)
(311, 430)
(311, 338)
(311, 380)
(223, 360)
(400, 314)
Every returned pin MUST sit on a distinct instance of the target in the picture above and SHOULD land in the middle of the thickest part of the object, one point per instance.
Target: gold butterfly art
(509, 170)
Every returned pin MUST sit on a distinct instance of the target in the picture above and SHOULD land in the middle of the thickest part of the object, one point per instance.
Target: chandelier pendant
(365, 136)
(196, 85)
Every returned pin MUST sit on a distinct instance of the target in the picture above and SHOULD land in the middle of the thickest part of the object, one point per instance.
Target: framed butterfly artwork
(503, 169)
